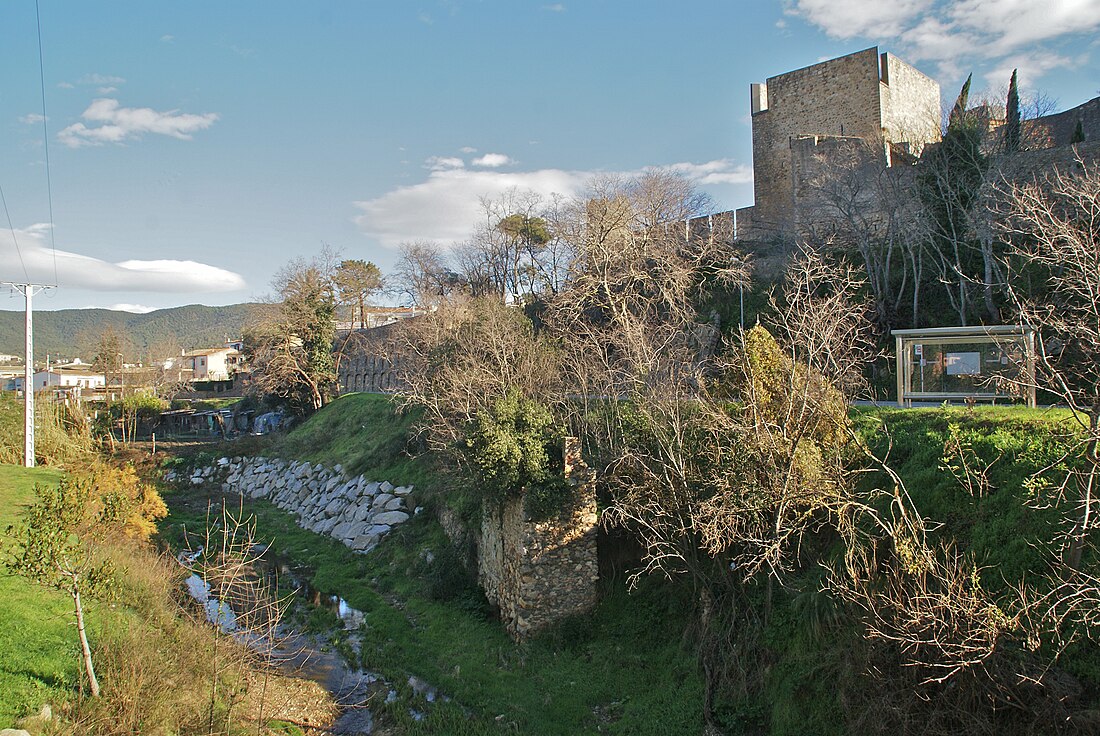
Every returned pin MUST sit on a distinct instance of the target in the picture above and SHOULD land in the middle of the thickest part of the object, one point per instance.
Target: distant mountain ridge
(72, 333)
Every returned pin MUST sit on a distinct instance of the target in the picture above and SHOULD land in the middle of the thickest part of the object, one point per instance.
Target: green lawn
(38, 647)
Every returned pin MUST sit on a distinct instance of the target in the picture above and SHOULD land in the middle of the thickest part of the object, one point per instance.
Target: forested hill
(74, 332)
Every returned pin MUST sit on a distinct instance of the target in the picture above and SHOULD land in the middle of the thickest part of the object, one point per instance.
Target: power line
(14, 239)
(45, 136)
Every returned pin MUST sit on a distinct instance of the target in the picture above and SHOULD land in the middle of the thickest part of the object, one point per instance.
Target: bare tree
(108, 358)
(242, 602)
(1053, 227)
(422, 274)
(464, 355)
(860, 207)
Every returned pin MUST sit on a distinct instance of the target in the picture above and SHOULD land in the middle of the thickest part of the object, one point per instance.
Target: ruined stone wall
(836, 97)
(1057, 129)
(538, 572)
(367, 362)
(364, 370)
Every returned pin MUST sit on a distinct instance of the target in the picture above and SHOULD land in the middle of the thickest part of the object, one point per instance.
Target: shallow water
(313, 657)
(310, 658)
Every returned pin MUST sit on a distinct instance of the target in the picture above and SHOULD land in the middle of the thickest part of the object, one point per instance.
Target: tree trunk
(85, 650)
(1081, 530)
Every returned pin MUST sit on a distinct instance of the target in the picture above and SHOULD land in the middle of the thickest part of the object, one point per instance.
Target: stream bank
(329, 657)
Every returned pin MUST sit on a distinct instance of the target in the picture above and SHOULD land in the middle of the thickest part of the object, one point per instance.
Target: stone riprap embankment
(356, 511)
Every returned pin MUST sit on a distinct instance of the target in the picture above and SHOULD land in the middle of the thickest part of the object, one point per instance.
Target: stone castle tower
(868, 98)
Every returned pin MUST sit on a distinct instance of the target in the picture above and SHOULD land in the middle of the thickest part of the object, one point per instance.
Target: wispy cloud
(167, 38)
(443, 163)
(719, 171)
(132, 308)
(100, 80)
(851, 18)
(493, 160)
(116, 124)
(555, 8)
(444, 208)
(84, 272)
(31, 119)
(956, 34)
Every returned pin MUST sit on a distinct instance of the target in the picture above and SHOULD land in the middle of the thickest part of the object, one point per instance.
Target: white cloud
(167, 38)
(957, 34)
(132, 308)
(31, 119)
(443, 163)
(119, 124)
(719, 171)
(65, 85)
(555, 8)
(100, 80)
(467, 149)
(850, 18)
(84, 272)
(1034, 63)
(1013, 24)
(444, 208)
(493, 160)
(106, 90)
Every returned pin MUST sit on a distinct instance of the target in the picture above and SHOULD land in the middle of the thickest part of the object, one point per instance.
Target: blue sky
(195, 147)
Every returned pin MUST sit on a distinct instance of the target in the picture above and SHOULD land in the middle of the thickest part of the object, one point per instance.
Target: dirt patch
(293, 700)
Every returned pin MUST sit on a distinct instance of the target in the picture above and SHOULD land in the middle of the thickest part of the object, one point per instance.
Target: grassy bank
(631, 665)
(623, 669)
(39, 663)
(626, 668)
(365, 433)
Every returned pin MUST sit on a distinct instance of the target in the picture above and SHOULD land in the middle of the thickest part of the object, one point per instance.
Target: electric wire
(45, 136)
(14, 239)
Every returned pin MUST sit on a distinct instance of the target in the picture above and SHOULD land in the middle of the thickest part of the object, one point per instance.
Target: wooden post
(899, 344)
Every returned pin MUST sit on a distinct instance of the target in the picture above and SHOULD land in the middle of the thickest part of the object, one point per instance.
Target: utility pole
(28, 291)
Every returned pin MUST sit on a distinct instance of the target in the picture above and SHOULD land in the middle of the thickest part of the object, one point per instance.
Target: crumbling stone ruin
(538, 572)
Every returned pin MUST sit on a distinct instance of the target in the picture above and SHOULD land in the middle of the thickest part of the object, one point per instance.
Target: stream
(313, 656)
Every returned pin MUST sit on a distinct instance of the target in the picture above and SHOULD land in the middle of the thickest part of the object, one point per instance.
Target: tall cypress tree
(958, 112)
(1012, 117)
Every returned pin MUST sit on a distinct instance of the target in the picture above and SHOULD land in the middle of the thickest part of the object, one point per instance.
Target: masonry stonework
(876, 98)
(538, 572)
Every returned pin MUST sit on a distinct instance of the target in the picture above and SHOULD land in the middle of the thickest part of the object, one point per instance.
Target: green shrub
(514, 448)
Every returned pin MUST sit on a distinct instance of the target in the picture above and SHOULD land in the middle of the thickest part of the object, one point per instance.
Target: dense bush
(515, 448)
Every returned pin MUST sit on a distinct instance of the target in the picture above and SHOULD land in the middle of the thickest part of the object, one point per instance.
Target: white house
(74, 375)
(212, 364)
